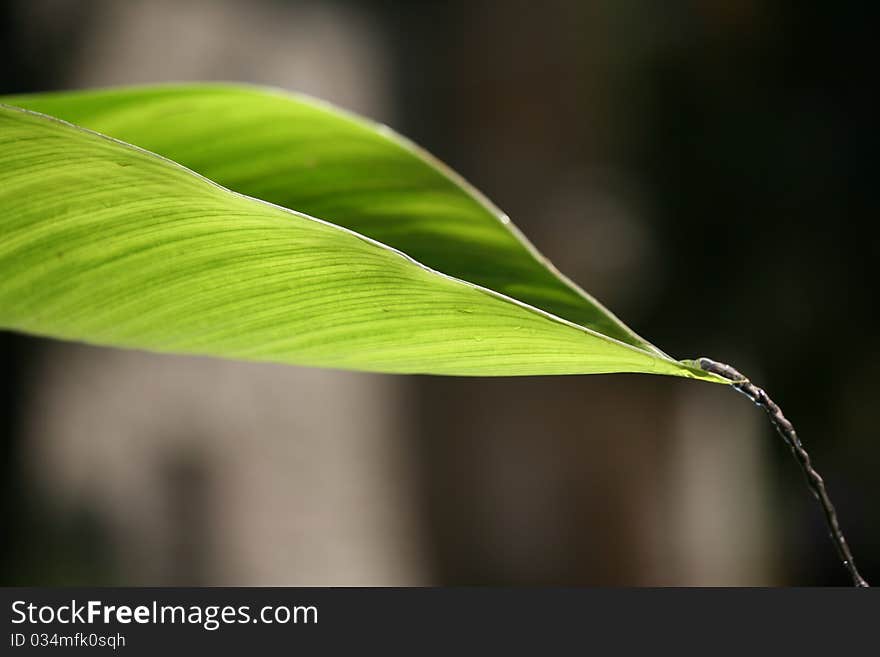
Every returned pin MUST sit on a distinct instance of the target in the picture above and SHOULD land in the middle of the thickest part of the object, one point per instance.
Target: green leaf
(307, 156)
(106, 243)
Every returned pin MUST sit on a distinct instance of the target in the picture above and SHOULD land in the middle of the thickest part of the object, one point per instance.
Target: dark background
(703, 167)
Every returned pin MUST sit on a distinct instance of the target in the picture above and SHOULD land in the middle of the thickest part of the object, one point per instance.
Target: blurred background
(702, 167)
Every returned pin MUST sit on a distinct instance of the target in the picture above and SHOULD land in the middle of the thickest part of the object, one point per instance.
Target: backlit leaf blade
(305, 155)
(106, 243)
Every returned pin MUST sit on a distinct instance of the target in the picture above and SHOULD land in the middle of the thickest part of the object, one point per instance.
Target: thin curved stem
(785, 429)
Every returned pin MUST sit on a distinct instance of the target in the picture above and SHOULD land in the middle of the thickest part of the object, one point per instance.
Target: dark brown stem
(786, 430)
